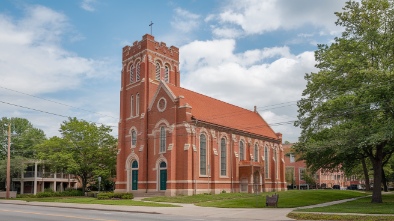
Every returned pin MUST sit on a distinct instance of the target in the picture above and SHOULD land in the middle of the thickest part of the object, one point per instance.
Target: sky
(62, 59)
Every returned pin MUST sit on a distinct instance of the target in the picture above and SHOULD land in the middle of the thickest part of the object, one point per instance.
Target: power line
(16, 105)
(46, 112)
(56, 102)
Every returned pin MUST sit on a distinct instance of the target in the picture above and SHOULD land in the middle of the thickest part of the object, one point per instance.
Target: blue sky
(245, 52)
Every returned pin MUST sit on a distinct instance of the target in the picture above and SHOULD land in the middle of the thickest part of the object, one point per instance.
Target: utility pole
(7, 194)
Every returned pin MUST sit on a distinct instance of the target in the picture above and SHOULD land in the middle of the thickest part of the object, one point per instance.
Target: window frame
(137, 104)
(132, 106)
(138, 72)
(292, 158)
(223, 157)
(133, 138)
(131, 74)
(166, 73)
(301, 175)
(256, 153)
(162, 143)
(266, 162)
(203, 155)
(241, 150)
(158, 70)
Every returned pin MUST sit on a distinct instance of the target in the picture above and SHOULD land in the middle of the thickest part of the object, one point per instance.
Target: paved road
(186, 212)
(21, 210)
(14, 212)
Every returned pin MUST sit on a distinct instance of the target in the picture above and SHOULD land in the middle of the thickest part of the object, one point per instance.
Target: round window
(161, 105)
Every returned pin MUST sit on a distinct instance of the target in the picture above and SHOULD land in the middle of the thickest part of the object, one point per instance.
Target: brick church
(176, 141)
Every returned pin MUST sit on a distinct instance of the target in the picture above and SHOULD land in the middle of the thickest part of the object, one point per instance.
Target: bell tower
(145, 64)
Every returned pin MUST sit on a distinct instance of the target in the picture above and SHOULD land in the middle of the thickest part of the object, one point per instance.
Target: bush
(46, 194)
(25, 196)
(107, 196)
(71, 192)
(51, 193)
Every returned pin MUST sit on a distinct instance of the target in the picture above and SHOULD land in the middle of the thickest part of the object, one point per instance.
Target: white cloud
(88, 5)
(31, 52)
(258, 77)
(184, 21)
(183, 24)
(33, 61)
(256, 17)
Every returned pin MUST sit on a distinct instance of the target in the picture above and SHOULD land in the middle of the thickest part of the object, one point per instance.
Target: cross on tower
(151, 24)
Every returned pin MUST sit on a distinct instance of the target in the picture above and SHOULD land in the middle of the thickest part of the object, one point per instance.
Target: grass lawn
(287, 199)
(91, 200)
(363, 205)
(305, 216)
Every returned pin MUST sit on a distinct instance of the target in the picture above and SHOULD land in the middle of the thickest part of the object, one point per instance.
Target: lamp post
(7, 194)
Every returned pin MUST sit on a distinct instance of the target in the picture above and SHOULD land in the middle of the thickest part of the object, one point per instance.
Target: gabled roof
(217, 112)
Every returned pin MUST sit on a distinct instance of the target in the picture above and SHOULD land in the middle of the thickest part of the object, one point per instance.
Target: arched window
(241, 150)
(137, 105)
(163, 164)
(131, 74)
(131, 106)
(223, 157)
(157, 71)
(167, 74)
(256, 153)
(162, 139)
(203, 154)
(134, 165)
(266, 153)
(133, 138)
(138, 72)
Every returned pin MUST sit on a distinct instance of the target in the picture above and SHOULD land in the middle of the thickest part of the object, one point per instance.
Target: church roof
(217, 112)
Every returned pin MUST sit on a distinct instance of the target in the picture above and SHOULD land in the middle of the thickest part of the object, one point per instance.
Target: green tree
(347, 111)
(24, 137)
(289, 176)
(310, 179)
(84, 149)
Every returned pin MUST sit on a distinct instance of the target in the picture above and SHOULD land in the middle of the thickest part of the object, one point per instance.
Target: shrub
(25, 196)
(51, 193)
(71, 192)
(46, 194)
(106, 196)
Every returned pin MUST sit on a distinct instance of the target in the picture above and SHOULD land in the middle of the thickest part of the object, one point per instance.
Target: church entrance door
(163, 176)
(134, 175)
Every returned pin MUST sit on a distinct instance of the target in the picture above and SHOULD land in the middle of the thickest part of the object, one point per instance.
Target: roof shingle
(217, 112)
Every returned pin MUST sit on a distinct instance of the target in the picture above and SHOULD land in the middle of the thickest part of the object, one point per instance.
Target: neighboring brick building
(176, 141)
(295, 172)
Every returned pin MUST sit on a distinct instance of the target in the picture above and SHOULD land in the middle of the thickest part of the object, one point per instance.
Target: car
(353, 187)
(336, 187)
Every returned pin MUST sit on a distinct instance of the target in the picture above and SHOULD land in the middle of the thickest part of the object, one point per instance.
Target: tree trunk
(366, 175)
(84, 183)
(384, 181)
(377, 162)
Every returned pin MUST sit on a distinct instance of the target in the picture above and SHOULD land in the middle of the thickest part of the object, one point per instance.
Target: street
(16, 212)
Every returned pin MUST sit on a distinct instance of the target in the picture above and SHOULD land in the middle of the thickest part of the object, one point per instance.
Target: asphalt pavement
(186, 210)
(183, 210)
